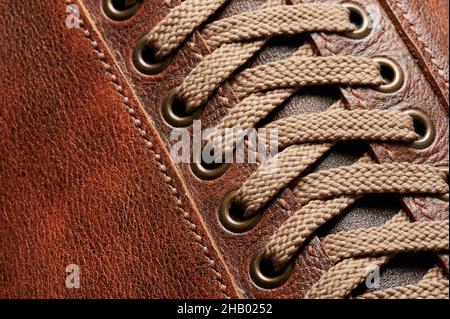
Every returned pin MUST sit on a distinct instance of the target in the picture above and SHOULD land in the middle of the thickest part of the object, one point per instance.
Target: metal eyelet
(264, 280)
(232, 223)
(174, 112)
(120, 9)
(361, 19)
(144, 60)
(392, 73)
(207, 171)
(424, 127)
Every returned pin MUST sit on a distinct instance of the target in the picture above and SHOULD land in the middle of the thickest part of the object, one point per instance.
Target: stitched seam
(352, 91)
(441, 72)
(162, 168)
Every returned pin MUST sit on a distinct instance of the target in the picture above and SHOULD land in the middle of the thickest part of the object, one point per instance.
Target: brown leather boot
(96, 93)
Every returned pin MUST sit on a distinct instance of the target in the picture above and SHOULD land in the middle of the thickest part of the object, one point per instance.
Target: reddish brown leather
(238, 249)
(417, 93)
(423, 26)
(122, 36)
(79, 182)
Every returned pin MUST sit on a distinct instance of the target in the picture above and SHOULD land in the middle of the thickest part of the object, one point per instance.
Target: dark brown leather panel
(83, 179)
(417, 93)
(237, 249)
(423, 26)
(152, 245)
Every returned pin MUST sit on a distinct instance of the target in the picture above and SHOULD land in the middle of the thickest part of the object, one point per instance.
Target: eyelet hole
(207, 171)
(361, 19)
(122, 5)
(420, 128)
(387, 74)
(356, 19)
(145, 61)
(231, 216)
(391, 74)
(120, 9)
(424, 128)
(174, 111)
(264, 275)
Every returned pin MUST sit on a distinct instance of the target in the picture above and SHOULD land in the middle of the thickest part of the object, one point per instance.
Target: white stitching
(162, 168)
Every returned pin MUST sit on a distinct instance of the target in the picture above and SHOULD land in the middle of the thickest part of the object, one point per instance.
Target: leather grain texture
(83, 187)
(417, 93)
(84, 178)
(423, 26)
(122, 37)
(237, 249)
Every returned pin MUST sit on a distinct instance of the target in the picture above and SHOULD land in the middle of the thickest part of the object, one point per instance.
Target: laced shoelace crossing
(323, 195)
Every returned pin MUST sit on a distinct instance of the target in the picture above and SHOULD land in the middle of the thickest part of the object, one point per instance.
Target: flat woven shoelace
(305, 138)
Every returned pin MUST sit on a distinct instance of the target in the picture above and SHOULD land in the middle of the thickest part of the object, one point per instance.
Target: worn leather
(423, 26)
(235, 248)
(80, 183)
(148, 197)
(417, 93)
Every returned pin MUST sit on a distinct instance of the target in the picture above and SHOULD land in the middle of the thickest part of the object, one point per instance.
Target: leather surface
(122, 36)
(423, 26)
(236, 249)
(416, 93)
(80, 183)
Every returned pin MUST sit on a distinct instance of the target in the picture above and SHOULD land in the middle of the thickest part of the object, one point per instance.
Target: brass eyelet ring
(111, 11)
(397, 78)
(365, 26)
(202, 171)
(171, 116)
(229, 222)
(427, 137)
(264, 280)
(140, 62)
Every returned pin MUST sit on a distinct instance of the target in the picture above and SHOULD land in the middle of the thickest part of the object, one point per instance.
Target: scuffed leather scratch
(162, 168)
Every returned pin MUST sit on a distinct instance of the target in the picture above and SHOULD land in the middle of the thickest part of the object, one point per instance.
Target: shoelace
(325, 194)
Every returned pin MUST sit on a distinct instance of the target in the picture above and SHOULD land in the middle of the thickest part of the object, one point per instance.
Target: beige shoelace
(325, 194)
